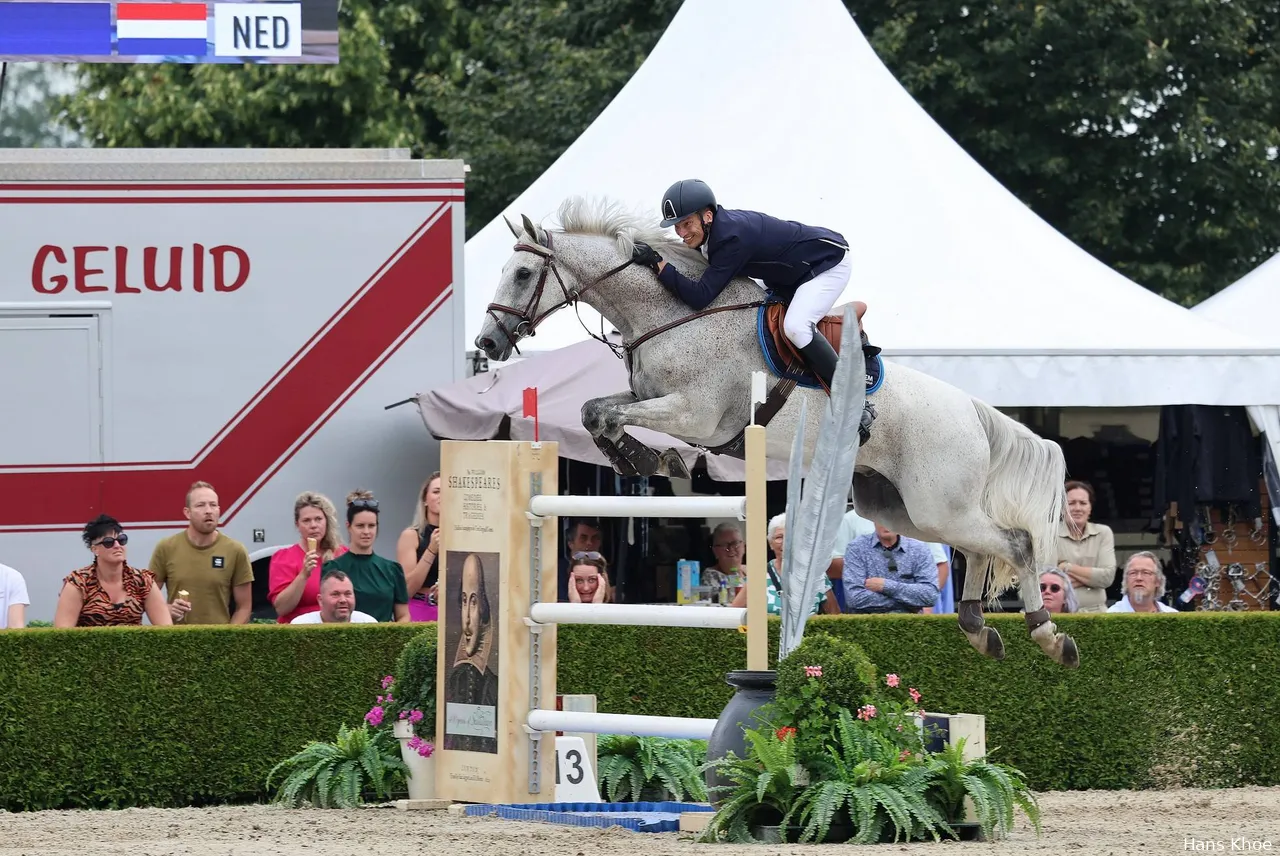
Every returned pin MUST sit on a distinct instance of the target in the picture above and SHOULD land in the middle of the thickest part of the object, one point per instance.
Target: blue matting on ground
(636, 816)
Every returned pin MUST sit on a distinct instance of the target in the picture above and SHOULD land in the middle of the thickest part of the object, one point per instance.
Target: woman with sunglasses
(109, 592)
(378, 583)
(589, 579)
(1057, 592)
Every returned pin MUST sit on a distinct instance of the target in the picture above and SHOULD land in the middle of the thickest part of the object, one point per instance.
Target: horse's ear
(530, 228)
(511, 226)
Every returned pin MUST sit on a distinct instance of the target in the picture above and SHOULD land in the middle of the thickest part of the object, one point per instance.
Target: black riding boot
(821, 359)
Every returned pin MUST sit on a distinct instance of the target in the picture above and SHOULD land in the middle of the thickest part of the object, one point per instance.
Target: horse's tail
(1025, 489)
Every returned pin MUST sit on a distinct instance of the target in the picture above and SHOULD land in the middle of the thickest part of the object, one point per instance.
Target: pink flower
(891, 680)
(404, 715)
(813, 671)
(414, 742)
(914, 693)
(388, 681)
(379, 699)
(426, 749)
(389, 698)
(899, 727)
(867, 712)
(374, 717)
(415, 717)
(905, 753)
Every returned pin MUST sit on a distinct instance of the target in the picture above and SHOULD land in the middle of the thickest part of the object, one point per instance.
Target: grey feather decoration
(815, 511)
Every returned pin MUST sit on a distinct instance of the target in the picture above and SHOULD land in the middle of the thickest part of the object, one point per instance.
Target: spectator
(1144, 584)
(378, 583)
(210, 566)
(585, 536)
(589, 579)
(13, 599)
(1057, 592)
(824, 600)
(946, 602)
(337, 603)
(109, 592)
(1086, 550)
(294, 585)
(728, 548)
(885, 572)
(418, 552)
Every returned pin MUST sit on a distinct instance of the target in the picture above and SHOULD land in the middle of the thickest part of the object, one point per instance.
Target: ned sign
(258, 29)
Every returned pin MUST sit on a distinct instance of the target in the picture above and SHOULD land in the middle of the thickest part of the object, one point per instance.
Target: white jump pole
(638, 615)
(621, 723)
(546, 505)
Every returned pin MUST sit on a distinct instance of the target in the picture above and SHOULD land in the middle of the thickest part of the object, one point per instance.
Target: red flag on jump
(531, 408)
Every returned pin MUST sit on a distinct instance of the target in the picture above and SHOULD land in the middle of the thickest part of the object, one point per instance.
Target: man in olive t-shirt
(205, 564)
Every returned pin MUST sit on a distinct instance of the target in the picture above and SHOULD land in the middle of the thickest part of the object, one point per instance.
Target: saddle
(787, 363)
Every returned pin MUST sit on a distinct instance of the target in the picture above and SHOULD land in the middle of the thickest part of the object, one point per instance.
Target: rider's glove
(646, 255)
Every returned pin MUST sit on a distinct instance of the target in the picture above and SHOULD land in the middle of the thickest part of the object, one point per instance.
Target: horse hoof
(1070, 653)
(671, 465)
(987, 642)
(993, 644)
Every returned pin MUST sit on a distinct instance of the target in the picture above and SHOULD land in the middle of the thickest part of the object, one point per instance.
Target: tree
(27, 104)
(1144, 131)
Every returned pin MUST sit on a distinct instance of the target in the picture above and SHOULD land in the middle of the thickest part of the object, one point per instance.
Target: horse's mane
(610, 219)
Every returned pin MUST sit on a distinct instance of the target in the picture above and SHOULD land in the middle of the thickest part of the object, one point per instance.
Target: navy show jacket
(782, 254)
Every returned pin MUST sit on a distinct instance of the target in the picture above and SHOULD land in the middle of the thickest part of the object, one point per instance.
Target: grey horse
(940, 465)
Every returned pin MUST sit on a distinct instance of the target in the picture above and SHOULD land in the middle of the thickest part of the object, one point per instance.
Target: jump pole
(757, 560)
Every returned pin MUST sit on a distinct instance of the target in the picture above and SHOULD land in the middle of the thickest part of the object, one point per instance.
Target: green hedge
(137, 716)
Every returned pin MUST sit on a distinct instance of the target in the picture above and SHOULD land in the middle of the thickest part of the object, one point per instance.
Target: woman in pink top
(294, 581)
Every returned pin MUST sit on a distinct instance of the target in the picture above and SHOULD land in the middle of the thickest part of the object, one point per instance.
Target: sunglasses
(111, 542)
(592, 556)
(729, 545)
(369, 504)
(1053, 587)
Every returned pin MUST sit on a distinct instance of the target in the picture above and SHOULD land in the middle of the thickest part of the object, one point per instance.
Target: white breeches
(813, 301)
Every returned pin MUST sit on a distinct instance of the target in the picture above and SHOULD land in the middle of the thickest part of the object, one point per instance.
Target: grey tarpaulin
(490, 406)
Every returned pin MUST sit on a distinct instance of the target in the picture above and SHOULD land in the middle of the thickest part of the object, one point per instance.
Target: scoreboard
(206, 31)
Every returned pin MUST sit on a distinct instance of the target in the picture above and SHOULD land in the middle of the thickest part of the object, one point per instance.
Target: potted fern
(651, 769)
(845, 758)
(993, 790)
(338, 774)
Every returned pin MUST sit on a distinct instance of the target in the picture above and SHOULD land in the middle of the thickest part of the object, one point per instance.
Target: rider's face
(692, 230)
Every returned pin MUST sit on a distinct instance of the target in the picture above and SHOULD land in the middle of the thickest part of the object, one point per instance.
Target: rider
(806, 267)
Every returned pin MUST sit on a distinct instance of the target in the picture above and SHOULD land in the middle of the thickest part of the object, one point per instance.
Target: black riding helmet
(684, 198)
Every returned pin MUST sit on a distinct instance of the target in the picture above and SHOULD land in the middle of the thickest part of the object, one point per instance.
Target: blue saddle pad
(801, 373)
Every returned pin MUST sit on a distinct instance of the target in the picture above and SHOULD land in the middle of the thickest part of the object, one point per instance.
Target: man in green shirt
(201, 569)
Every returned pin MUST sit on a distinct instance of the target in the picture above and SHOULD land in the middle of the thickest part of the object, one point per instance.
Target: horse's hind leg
(1008, 549)
(983, 638)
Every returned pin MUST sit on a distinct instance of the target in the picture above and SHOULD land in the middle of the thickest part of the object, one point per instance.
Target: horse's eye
(523, 274)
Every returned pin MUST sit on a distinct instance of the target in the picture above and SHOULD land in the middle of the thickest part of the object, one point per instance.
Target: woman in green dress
(378, 582)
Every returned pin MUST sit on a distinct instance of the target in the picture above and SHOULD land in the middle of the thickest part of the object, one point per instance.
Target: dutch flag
(172, 29)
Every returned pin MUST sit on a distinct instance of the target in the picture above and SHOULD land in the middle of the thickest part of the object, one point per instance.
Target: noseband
(527, 322)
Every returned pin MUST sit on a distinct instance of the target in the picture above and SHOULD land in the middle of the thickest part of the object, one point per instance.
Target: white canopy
(1252, 305)
(792, 113)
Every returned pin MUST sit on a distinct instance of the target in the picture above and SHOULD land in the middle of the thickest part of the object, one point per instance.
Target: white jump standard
(497, 658)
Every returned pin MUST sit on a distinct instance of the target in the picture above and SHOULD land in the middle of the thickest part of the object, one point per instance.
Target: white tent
(1251, 305)
(785, 108)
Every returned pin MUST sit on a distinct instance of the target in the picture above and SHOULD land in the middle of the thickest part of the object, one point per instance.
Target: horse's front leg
(593, 420)
(673, 414)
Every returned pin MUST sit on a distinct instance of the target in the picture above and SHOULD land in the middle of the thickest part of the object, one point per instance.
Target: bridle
(527, 322)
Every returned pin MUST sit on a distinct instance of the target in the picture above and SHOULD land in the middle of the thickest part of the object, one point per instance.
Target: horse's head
(531, 288)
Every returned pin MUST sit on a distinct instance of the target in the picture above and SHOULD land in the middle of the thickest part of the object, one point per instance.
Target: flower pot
(422, 771)
(836, 834)
(755, 689)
